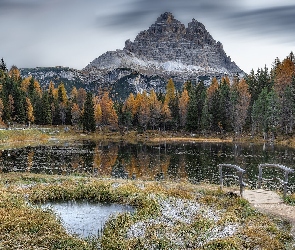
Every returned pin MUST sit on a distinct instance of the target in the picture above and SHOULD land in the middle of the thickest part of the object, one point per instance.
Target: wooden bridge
(259, 195)
(268, 202)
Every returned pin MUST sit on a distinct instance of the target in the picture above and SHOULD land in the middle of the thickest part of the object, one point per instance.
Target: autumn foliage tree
(30, 111)
(109, 115)
(241, 105)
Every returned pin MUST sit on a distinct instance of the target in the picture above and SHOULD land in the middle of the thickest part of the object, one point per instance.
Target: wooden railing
(281, 167)
(239, 171)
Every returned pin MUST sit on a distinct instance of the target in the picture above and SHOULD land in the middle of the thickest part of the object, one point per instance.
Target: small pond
(84, 218)
(196, 162)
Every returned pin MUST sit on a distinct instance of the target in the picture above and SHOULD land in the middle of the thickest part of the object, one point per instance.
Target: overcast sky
(74, 32)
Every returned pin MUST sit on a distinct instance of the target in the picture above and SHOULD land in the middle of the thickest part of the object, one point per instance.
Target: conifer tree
(195, 107)
(46, 117)
(3, 65)
(88, 120)
(240, 105)
(1, 111)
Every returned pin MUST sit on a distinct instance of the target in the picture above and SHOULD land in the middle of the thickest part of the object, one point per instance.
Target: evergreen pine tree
(46, 110)
(3, 65)
(88, 119)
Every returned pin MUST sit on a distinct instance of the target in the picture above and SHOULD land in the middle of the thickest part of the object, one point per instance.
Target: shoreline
(47, 136)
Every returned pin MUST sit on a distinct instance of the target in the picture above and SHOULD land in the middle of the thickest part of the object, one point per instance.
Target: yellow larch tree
(97, 114)
(284, 74)
(212, 88)
(109, 115)
(76, 114)
(74, 94)
(144, 111)
(130, 105)
(14, 73)
(30, 111)
(25, 84)
(165, 113)
(137, 103)
(62, 94)
(170, 92)
(155, 109)
(52, 90)
(183, 107)
(81, 97)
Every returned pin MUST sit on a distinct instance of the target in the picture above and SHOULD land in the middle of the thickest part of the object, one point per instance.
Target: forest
(263, 102)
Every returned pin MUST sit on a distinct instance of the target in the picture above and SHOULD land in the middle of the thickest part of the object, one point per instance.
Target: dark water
(194, 161)
(84, 218)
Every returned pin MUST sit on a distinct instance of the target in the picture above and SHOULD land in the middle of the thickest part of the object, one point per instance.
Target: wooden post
(220, 176)
(260, 177)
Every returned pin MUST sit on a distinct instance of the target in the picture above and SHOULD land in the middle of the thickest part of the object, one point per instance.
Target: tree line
(263, 102)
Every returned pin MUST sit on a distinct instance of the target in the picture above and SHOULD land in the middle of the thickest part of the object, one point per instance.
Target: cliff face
(168, 49)
(169, 40)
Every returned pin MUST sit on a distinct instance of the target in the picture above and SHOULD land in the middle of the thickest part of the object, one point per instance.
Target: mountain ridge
(167, 49)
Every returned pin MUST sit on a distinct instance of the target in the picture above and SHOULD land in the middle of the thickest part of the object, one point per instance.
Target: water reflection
(84, 218)
(194, 161)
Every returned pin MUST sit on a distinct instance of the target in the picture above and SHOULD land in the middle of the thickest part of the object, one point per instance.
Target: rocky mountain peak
(196, 32)
(167, 49)
(168, 40)
(166, 17)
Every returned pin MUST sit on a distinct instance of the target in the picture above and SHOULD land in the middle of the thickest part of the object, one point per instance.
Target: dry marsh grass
(168, 216)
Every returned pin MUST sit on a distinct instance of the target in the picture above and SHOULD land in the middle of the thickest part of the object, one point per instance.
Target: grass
(290, 199)
(198, 216)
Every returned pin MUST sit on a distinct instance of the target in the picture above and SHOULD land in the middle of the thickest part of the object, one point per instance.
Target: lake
(196, 162)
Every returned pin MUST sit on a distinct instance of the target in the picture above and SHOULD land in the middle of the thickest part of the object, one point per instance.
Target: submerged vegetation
(168, 215)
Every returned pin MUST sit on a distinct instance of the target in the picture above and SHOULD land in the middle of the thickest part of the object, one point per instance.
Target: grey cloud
(142, 10)
(226, 14)
(273, 22)
(15, 4)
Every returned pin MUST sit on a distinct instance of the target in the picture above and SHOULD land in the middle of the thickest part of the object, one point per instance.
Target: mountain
(166, 50)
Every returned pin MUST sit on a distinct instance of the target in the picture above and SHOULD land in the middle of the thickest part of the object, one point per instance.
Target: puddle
(84, 218)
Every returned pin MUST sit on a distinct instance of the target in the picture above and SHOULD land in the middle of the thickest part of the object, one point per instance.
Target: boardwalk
(265, 201)
(271, 203)
(261, 196)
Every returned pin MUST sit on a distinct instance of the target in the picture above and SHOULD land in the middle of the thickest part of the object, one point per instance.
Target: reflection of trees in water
(104, 158)
(1, 162)
(196, 162)
(30, 160)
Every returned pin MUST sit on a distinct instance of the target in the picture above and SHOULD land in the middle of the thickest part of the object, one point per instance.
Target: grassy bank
(168, 216)
(54, 134)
